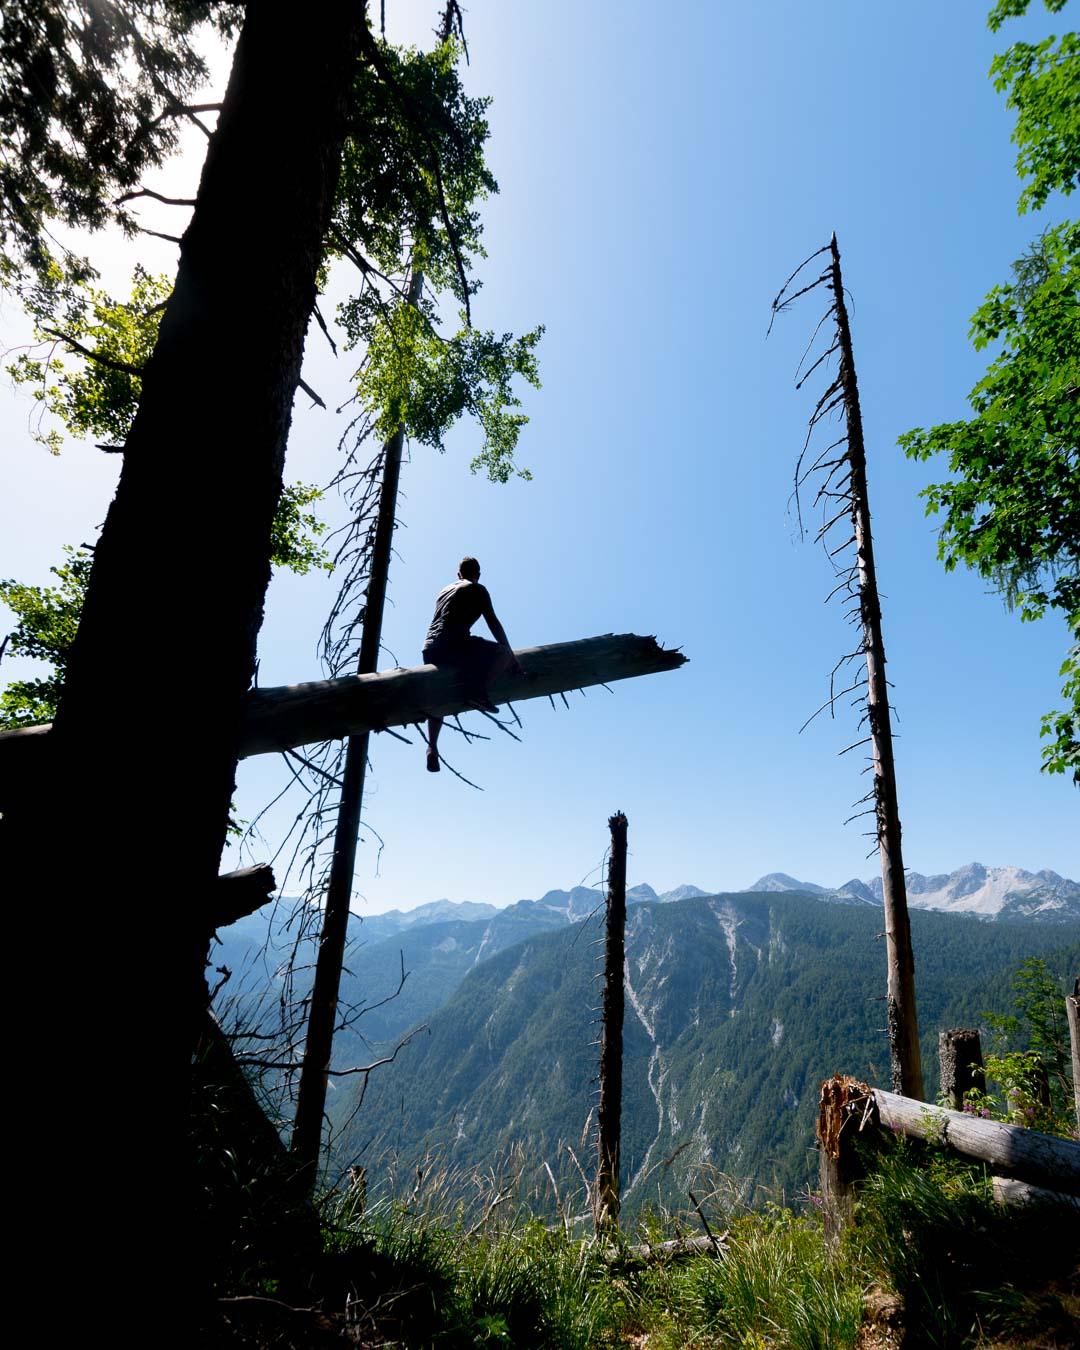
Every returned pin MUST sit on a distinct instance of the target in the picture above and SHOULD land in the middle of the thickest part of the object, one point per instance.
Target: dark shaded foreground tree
(204, 456)
(844, 494)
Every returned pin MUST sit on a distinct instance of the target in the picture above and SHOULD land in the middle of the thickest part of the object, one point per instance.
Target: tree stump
(960, 1056)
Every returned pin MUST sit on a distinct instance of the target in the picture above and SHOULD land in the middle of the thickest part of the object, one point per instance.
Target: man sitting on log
(449, 643)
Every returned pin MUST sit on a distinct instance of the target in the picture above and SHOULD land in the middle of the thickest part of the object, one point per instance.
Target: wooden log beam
(1027, 1155)
(1009, 1191)
(299, 714)
(279, 719)
(240, 893)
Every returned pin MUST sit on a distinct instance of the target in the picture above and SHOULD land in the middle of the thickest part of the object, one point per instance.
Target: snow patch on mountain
(988, 892)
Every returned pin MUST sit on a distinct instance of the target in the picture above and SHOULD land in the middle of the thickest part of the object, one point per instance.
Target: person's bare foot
(433, 761)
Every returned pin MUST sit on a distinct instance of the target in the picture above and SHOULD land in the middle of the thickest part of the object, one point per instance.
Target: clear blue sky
(662, 171)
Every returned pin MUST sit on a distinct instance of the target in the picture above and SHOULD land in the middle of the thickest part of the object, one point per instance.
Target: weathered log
(960, 1057)
(673, 1248)
(1009, 1191)
(298, 714)
(1027, 1155)
(240, 893)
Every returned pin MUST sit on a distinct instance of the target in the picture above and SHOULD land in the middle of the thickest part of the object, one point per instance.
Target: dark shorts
(474, 655)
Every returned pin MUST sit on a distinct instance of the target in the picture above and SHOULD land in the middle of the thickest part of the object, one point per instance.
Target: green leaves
(1013, 511)
(111, 340)
(47, 619)
(412, 176)
(90, 96)
(1042, 84)
(1012, 508)
(414, 377)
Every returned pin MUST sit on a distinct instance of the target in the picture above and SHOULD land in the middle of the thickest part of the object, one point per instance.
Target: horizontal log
(240, 893)
(299, 714)
(1009, 1191)
(1028, 1155)
(674, 1248)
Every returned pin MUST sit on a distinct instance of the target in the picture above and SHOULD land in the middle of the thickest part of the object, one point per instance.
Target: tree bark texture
(903, 1026)
(609, 1112)
(176, 592)
(306, 1140)
(961, 1061)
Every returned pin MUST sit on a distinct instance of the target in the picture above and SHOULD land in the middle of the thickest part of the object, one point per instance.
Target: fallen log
(1027, 1155)
(1009, 1191)
(289, 716)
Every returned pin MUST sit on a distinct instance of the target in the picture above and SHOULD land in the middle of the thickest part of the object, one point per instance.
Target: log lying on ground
(1009, 1191)
(1027, 1155)
(299, 714)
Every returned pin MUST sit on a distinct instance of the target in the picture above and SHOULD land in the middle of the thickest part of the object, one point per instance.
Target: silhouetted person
(449, 643)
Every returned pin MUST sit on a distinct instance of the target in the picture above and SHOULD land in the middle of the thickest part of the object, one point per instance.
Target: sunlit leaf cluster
(75, 137)
(47, 619)
(1042, 86)
(1011, 510)
(95, 397)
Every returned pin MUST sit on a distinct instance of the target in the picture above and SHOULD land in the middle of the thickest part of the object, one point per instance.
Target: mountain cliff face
(737, 1007)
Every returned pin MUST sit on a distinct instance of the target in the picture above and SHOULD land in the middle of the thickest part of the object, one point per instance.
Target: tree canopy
(1012, 507)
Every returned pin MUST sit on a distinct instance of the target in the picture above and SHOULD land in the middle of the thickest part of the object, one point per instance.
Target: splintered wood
(842, 1098)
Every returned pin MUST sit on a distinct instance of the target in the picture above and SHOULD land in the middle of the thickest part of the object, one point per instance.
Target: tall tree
(193, 463)
(844, 493)
(1012, 505)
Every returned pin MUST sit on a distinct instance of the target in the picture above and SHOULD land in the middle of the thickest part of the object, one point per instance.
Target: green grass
(446, 1262)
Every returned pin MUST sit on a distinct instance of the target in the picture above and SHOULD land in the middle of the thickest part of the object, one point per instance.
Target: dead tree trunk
(1072, 1012)
(907, 1077)
(961, 1062)
(300, 714)
(318, 1044)
(609, 1112)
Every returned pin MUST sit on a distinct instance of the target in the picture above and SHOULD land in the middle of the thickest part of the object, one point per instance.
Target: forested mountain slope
(737, 1006)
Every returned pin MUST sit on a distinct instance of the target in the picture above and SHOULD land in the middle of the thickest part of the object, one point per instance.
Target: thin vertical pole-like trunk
(907, 1077)
(1072, 1013)
(306, 1141)
(609, 1113)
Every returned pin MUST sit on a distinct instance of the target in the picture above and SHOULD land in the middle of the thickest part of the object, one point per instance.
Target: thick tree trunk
(907, 1076)
(176, 592)
(306, 1142)
(609, 1111)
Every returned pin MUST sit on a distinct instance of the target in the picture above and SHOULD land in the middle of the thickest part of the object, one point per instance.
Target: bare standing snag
(843, 492)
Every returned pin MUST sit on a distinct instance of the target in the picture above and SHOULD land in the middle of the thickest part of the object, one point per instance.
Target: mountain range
(989, 892)
(738, 1005)
(438, 944)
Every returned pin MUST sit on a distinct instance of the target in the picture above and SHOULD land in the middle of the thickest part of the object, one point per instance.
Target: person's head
(469, 569)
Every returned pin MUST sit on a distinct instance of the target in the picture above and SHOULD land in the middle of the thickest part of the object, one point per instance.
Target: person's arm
(498, 632)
